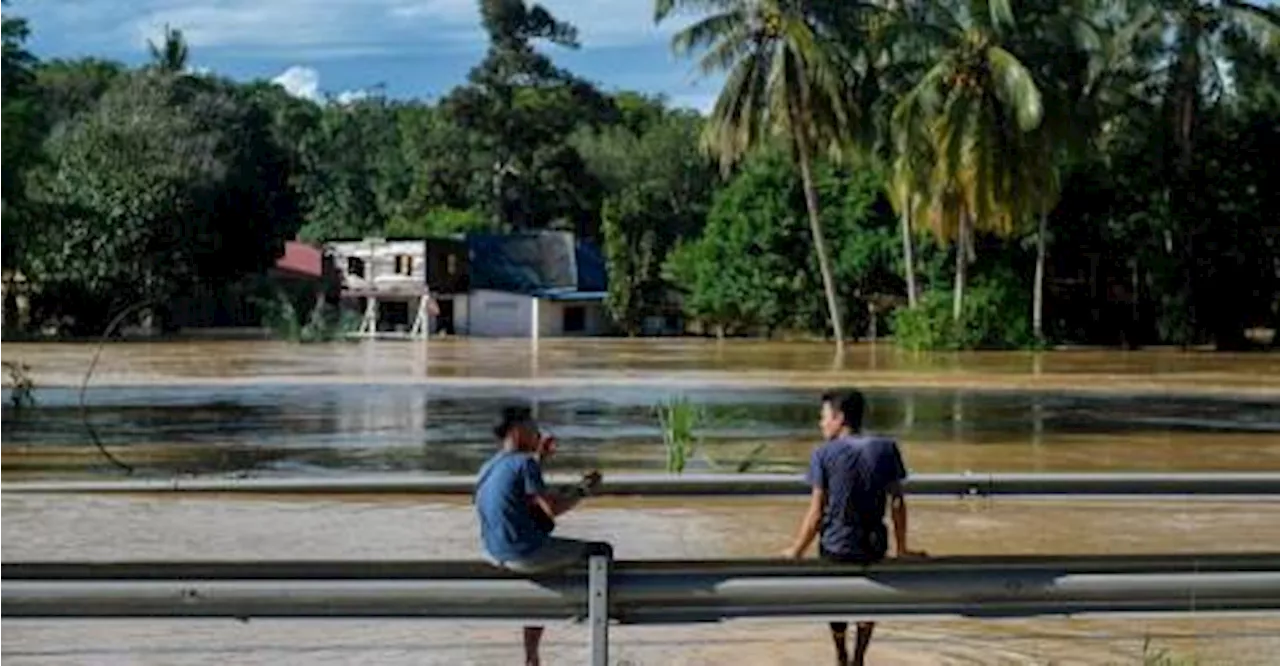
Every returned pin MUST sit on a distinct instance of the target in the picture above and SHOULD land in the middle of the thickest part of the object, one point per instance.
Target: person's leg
(839, 630)
(839, 636)
(532, 639)
(861, 643)
(864, 629)
(555, 553)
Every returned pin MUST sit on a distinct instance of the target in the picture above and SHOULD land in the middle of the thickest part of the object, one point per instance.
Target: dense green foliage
(1099, 171)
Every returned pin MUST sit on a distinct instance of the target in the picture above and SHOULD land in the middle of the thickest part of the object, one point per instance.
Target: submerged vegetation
(324, 323)
(1152, 656)
(682, 423)
(21, 386)
(680, 420)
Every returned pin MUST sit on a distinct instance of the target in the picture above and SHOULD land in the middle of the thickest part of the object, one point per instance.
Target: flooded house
(534, 284)
(385, 280)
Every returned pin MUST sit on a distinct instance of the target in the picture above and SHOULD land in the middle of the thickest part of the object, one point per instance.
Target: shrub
(995, 315)
(22, 387)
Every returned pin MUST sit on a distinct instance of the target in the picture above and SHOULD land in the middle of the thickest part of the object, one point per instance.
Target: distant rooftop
(550, 264)
(301, 259)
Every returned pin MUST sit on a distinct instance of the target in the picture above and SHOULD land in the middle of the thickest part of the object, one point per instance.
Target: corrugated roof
(535, 263)
(302, 259)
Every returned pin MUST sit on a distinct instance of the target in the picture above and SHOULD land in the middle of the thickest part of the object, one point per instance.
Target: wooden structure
(389, 276)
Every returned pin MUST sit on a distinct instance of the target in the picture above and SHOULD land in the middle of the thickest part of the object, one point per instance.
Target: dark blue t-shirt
(856, 473)
(503, 488)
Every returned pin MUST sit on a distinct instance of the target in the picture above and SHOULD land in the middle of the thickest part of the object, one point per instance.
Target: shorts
(555, 553)
(850, 558)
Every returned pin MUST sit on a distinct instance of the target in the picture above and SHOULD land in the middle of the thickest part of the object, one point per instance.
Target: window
(355, 266)
(575, 319)
(404, 264)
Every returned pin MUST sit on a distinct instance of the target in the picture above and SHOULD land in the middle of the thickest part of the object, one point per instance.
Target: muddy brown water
(269, 408)
(272, 409)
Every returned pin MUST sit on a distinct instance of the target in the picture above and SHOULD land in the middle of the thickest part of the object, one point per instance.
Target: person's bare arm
(553, 505)
(898, 511)
(559, 503)
(808, 525)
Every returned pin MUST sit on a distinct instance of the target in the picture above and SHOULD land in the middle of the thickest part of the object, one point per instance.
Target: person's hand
(591, 480)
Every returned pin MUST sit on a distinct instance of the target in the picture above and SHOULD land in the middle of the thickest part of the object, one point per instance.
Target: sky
(410, 48)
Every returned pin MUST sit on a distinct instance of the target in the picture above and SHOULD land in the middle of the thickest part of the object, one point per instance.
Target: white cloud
(310, 30)
(701, 102)
(299, 81)
(304, 82)
(351, 96)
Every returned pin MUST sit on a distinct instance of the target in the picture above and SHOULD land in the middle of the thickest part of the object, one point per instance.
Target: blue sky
(416, 48)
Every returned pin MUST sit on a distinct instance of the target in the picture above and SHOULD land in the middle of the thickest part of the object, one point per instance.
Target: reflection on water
(335, 427)
(651, 361)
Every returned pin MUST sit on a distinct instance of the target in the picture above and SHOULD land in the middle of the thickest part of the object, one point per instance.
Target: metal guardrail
(968, 484)
(646, 591)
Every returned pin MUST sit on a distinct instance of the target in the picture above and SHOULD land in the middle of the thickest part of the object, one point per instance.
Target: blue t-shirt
(505, 484)
(856, 473)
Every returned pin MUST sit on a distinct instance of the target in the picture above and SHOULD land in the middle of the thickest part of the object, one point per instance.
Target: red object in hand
(546, 447)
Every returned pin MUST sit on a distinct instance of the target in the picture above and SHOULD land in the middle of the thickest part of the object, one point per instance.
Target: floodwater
(272, 409)
(268, 408)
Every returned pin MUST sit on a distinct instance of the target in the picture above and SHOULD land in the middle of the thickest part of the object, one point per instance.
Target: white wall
(497, 314)
(379, 259)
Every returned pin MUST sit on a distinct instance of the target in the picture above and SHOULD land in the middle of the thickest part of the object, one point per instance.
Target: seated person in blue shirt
(851, 476)
(517, 511)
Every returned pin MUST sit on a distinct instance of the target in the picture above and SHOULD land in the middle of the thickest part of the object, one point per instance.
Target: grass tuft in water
(680, 420)
(1162, 657)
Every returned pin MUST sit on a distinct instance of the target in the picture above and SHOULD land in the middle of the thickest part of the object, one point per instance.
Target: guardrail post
(599, 559)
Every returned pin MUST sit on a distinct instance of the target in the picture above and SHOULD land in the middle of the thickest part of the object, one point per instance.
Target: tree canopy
(1096, 171)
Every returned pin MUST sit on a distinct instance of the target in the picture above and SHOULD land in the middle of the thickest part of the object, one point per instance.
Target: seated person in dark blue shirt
(517, 511)
(852, 476)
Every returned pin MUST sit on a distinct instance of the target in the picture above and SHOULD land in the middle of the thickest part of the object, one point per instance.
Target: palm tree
(886, 81)
(957, 128)
(1198, 28)
(171, 54)
(789, 75)
(1091, 60)
(1193, 76)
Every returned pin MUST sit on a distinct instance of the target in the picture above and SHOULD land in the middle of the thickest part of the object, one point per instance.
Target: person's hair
(512, 417)
(849, 403)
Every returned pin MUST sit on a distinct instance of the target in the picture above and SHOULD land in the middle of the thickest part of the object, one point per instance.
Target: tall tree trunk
(909, 254)
(819, 241)
(1037, 308)
(962, 267)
